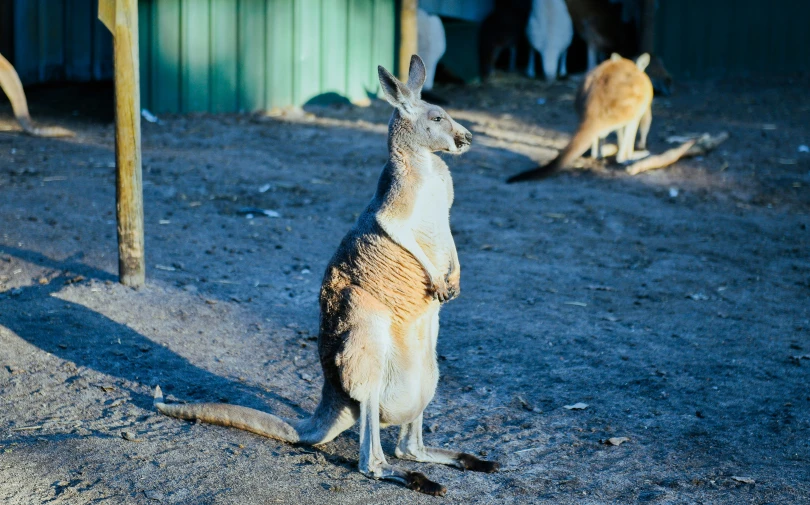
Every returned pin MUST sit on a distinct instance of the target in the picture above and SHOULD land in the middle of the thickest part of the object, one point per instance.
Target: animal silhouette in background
(660, 78)
(380, 302)
(12, 87)
(432, 43)
(626, 27)
(550, 31)
(616, 96)
(600, 24)
(503, 28)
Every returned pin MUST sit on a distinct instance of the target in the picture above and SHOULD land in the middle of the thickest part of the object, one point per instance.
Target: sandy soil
(674, 304)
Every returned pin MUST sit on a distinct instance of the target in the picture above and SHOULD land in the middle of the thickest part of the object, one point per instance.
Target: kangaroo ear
(643, 61)
(416, 75)
(396, 93)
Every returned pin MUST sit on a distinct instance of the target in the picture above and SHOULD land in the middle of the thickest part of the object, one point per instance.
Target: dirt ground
(674, 304)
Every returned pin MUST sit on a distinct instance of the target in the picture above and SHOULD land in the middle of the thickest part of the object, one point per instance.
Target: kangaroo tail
(223, 414)
(11, 85)
(580, 143)
(540, 172)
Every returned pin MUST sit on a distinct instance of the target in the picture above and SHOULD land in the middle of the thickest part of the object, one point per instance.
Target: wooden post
(121, 18)
(408, 40)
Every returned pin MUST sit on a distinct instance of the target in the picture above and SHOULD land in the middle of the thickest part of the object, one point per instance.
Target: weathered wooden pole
(408, 40)
(121, 18)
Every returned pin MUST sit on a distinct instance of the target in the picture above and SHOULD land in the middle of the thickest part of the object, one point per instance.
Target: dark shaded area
(75, 333)
(68, 104)
(328, 99)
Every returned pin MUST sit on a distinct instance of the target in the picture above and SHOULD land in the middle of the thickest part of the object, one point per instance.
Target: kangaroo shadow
(89, 339)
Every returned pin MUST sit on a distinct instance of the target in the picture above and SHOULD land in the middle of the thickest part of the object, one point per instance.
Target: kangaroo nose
(468, 137)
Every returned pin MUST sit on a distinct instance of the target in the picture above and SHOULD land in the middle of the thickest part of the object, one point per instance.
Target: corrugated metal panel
(278, 69)
(195, 52)
(57, 40)
(221, 36)
(470, 10)
(698, 38)
(247, 55)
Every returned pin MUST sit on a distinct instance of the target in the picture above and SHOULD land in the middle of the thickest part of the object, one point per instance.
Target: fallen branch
(662, 160)
(694, 147)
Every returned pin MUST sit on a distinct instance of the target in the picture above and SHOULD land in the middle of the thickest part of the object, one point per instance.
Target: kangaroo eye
(437, 118)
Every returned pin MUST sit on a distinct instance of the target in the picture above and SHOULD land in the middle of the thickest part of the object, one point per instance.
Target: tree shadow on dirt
(89, 339)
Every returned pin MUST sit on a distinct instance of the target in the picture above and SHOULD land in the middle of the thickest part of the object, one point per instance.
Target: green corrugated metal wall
(247, 55)
(56, 40)
(700, 38)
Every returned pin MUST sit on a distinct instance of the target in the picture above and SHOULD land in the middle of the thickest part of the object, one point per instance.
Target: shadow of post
(89, 339)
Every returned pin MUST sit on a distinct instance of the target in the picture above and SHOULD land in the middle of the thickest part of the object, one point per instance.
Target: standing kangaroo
(616, 96)
(550, 32)
(380, 301)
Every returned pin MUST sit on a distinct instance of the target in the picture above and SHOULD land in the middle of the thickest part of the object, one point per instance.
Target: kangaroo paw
(419, 482)
(474, 464)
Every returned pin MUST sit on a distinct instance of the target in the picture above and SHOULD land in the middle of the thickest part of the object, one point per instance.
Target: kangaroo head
(416, 122)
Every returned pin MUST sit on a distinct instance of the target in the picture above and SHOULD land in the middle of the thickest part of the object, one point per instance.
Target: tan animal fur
(380, 301)
(11, 85)
(616, 96)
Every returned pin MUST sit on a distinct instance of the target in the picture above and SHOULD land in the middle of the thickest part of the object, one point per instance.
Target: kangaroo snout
(463, 140)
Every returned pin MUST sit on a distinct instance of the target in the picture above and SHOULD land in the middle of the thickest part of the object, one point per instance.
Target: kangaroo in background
(625, 27)
(501, 29)
(380, 301)
(600, 23)
(11, 85)
(616, 96)
(432, 43)
(550, 32)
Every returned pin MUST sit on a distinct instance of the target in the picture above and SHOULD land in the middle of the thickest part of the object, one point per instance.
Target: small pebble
(153, 495)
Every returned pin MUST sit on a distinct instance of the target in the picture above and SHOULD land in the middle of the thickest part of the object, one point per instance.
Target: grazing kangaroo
(11, 85)
(501, 29)
(600, 23)
(616, 96)
(432, 43)
(380, 301)
(550, 32)
(661, 79)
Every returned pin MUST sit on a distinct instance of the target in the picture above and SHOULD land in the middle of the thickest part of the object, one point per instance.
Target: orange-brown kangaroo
(616, 96)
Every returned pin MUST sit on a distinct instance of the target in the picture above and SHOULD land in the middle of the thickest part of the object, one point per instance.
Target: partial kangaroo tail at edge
(581, 142)
(11, 85)
(223, 414)
(540, 172)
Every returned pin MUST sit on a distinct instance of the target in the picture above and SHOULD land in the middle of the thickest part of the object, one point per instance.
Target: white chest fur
(430, 220)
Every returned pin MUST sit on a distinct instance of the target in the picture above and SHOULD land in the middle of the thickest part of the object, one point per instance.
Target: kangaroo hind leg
(644, 129)
(362, 362)
(372, 458)
(596, 148)
(563, 64)
(410, 446)
(627, 140)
